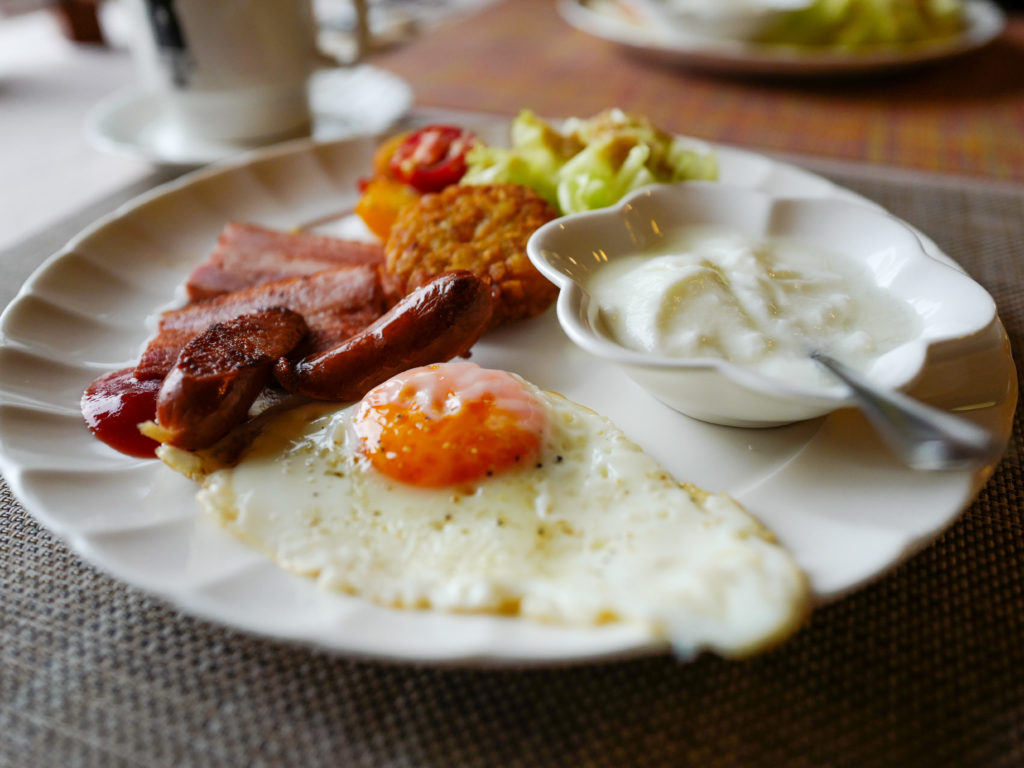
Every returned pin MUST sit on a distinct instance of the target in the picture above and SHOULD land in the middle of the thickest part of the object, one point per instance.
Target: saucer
(346, 102)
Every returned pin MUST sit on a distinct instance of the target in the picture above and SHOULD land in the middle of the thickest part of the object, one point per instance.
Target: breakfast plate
(826, 487)
(345, 102)
(601, 19)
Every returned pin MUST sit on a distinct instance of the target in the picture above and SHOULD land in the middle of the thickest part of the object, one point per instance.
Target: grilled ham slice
(335, 304)
(248, 255)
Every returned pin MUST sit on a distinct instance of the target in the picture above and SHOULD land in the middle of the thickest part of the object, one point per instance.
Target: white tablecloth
(47, 86)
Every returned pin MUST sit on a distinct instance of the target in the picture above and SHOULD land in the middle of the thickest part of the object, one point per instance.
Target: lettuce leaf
(590, 163)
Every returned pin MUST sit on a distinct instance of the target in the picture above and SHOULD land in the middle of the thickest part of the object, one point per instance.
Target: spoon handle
(922, 436)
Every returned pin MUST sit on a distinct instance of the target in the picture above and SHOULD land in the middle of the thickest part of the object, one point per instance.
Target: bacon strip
(248, 255)
(335, 305)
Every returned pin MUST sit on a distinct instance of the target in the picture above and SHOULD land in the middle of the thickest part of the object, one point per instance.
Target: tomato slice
(381, 201)
(432, 158)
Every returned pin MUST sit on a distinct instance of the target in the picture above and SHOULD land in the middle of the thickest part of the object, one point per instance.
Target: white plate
(826, 487)
(985, 21)
(361, 100)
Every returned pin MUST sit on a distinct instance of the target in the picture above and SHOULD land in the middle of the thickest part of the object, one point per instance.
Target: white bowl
(948, 304)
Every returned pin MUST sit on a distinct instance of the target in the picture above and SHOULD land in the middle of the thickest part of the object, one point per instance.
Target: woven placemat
(925, 667)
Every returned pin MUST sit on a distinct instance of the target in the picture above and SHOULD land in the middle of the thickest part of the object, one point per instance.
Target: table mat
(924, 667)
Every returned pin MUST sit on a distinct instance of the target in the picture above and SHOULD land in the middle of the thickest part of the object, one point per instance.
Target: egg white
(594, 531)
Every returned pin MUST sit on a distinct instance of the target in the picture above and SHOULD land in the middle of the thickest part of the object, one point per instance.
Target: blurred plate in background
(605, 20)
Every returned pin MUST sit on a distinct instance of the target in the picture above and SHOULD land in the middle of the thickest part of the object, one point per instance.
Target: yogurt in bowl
(713, 297)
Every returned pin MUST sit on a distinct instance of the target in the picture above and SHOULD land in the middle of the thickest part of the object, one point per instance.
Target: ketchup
(115, 404)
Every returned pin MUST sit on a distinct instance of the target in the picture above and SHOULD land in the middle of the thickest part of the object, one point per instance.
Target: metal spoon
(922, 436)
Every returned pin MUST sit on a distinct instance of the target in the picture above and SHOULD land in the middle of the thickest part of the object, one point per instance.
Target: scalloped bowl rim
(978, 309)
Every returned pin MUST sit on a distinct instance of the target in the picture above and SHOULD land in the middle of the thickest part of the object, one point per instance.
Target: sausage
(438, 321)
(219, 374)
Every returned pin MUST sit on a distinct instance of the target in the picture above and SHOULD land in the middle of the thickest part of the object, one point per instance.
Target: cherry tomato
(432, 158)
(381, 162)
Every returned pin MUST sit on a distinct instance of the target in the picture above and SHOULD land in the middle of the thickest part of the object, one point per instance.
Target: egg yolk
(449, 424)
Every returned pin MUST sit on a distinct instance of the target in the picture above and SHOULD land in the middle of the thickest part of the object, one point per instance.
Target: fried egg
(457, 488)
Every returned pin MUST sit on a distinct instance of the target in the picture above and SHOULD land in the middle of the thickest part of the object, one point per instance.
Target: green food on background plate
(859, 24)
(589, 162)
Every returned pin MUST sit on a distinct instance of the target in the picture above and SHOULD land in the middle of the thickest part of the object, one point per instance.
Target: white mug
(232, 70)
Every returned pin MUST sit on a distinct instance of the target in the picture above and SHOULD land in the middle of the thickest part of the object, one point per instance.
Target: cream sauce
(762, 303)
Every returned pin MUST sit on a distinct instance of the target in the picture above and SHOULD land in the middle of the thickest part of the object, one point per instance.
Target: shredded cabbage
(590, 163)
(858, 24)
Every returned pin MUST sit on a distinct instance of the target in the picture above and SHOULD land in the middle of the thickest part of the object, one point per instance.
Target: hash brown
(482, 228)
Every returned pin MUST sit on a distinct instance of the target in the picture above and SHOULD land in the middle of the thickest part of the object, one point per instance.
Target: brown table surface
(924, 667)
(963, 116)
